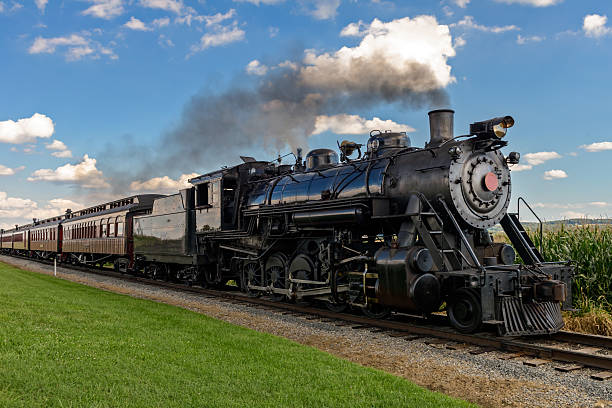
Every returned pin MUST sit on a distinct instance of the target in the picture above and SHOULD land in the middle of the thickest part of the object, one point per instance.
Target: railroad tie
(481, 350)
(437, 343)
(602, 376)
(535, 362)
(458, 346)
(566, 368)
(510, 356)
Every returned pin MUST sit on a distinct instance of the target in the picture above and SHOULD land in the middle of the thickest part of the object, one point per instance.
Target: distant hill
(569, 223)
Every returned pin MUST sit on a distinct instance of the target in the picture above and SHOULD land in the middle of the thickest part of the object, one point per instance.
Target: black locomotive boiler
(398, 228)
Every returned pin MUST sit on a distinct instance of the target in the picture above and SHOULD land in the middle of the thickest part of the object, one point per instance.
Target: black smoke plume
(277, 114)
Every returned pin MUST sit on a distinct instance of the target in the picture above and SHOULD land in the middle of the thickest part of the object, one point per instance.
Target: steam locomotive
(389, 228)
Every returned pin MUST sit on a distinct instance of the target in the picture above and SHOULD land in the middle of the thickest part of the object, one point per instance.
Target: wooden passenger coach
(45, 237)
(103, 233)
(7, 240)
(21, 239)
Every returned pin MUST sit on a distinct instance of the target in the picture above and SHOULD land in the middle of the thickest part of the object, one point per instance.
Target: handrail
(518, 214)
(461, 235)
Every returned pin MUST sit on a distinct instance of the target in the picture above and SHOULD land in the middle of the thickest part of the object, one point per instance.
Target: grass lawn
(67, 345)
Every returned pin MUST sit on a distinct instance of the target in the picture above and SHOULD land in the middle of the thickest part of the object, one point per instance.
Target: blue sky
(97, 92)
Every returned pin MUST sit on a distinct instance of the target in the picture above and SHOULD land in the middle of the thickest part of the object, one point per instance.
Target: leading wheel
(464, 310)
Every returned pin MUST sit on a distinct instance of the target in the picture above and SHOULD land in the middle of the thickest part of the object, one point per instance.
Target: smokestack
(440, 126)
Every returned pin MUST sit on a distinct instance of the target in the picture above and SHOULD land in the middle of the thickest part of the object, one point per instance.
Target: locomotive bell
(440, 126)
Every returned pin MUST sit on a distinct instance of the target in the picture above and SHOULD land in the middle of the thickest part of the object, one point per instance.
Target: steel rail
(508, 344)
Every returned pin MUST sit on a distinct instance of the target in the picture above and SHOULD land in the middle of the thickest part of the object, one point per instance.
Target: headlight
(496, 127)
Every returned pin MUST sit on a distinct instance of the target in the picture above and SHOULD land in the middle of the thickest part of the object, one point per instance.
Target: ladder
(520, 239)
(430, 227)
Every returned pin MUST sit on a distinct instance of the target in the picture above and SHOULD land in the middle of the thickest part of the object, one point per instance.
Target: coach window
(202, 199)
(120, 221)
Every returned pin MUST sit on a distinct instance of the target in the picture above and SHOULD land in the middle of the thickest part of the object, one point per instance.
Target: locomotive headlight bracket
(495, 128)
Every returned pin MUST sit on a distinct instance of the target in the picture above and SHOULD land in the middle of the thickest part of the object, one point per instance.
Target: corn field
(590, 248)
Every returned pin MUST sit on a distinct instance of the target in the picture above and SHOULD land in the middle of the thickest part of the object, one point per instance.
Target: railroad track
(569, 351)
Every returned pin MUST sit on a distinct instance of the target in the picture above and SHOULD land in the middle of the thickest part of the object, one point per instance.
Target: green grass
(69, 345)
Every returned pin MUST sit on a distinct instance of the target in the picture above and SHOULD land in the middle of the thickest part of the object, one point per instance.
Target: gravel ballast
(484, 379)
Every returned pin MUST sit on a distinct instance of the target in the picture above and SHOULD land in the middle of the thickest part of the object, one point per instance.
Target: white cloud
(7, 171)
(78, 46)
(574, 206)
(288, 64)
(520, 167)
(136, 24)
(57, 145)
(323, 9)
(160, 22)
(84, 174)
(345, 124)
(573, 214)
(13, 207)
(554, 174)
(534, 3)
(468, 22)
(164, 41)
(16, 6)
(256, 68)
(529, 39)
(258, 2)
(1, 7)
(354, 30)
(594, 26)
(273, 31)
(76, 53)
(41, 4)
(597, 147)
(219, 17)
(61, 150)
(408, 44)
(540, 157)
(459, 42)
(163, 184)
(461, 3)
(49, 45)
(26, 130)
(220, 36)
(62, 154)
(175, 6)
(23, 209)
(105, 9)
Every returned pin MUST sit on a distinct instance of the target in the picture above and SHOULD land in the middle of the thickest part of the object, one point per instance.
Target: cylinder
(440, 126)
